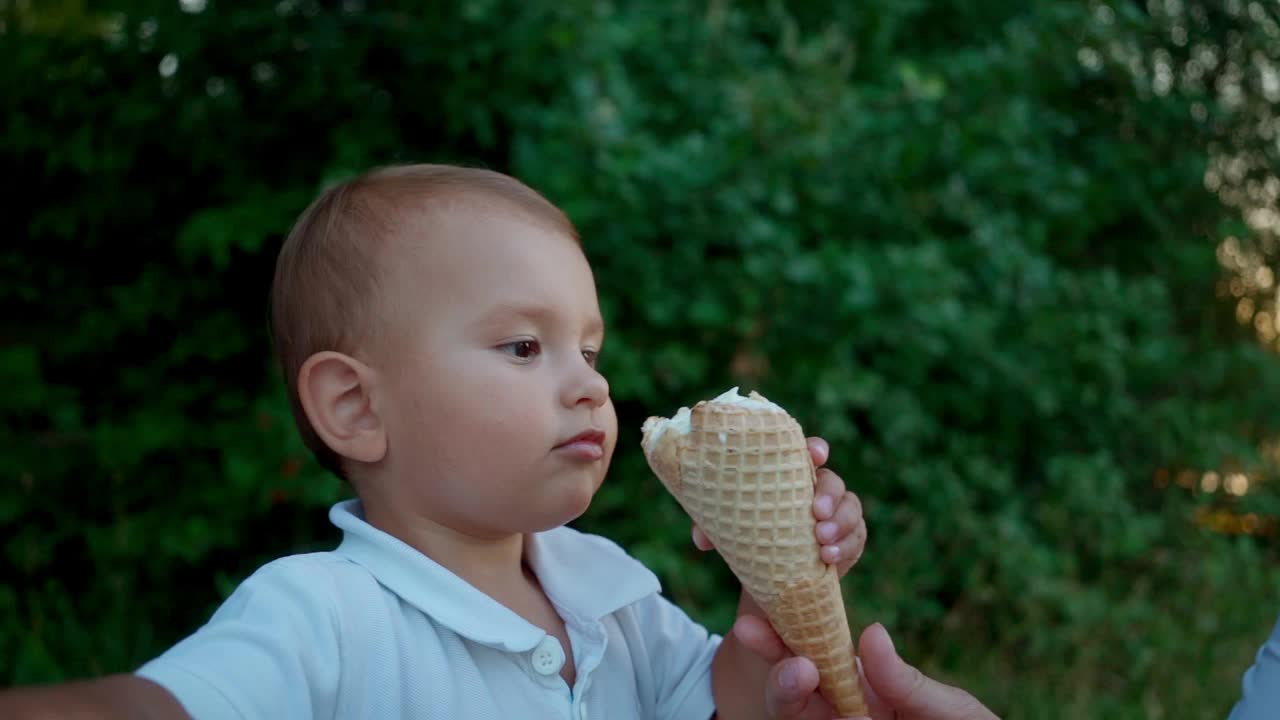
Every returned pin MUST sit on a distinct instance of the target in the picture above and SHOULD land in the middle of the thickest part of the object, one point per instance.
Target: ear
(335, 392)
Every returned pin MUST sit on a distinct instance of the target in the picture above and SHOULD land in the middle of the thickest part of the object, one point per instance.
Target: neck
(492, 564)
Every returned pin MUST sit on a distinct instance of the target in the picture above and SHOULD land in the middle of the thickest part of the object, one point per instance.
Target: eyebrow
(536, 313)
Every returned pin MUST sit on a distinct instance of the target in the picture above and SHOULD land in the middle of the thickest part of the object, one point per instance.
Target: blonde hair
(325, 292)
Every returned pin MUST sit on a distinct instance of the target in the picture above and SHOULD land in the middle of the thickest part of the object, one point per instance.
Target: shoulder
(307, 599)
(317, 568)
(275, 647)
(312, 578)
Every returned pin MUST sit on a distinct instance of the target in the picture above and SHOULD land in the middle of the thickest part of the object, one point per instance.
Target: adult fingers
(908, 691)
(791, 691)
(758, 636)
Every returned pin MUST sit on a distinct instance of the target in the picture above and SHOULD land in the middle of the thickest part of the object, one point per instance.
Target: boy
(439, 330)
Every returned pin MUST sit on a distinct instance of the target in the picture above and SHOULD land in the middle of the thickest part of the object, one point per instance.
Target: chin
(567, 498)
(580, 505)
(561, 511)
(573, 505)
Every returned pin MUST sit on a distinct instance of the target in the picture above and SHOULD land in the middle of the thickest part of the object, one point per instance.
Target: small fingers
(827, 493)
(819, 450)
(846, 553)
(848, 515)
(841, 523)
(843, 537)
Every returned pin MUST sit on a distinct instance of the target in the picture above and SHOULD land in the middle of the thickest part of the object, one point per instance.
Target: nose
(585, 386)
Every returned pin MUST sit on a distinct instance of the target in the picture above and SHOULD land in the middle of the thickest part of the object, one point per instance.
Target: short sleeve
(1261, 684)
(271, 650)
(678, 653)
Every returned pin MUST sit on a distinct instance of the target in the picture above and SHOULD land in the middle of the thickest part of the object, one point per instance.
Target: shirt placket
(543, 664)
(588, 638)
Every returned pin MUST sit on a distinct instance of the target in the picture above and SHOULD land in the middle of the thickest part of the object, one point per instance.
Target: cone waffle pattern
(746, 478)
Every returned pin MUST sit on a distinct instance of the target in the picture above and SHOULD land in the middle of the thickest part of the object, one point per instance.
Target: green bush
(978, 246)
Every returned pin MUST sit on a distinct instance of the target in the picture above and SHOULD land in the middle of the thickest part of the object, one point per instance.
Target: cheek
(609, 419)
(434, 407)
(456, 388)
(478, 455)
(479, 416)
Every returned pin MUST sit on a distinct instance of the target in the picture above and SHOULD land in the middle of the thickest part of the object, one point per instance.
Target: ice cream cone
(740, 467)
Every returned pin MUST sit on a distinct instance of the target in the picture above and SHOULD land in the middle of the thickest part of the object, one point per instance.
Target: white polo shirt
(375, 629)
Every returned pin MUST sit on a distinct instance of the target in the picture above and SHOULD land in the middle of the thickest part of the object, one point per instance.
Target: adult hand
(893, 689)
(898, 691)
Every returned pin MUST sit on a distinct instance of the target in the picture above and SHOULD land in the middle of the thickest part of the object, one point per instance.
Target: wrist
(738, 675)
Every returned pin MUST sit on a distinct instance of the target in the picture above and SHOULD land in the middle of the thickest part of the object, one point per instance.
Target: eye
(522, 349)
(591, 356)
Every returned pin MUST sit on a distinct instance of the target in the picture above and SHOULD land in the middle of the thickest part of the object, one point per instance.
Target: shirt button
(548, 657)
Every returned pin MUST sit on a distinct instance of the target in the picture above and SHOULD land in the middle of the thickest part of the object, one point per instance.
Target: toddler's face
(498, 421)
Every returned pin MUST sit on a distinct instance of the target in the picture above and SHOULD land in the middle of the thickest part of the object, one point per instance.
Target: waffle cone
(743, 472)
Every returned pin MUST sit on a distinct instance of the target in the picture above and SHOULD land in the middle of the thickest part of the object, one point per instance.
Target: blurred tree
(979, 246)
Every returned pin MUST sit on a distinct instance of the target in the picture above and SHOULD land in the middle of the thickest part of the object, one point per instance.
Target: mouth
(588, 445)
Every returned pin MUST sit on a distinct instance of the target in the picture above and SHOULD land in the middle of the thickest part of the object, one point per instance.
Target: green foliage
(972, 244)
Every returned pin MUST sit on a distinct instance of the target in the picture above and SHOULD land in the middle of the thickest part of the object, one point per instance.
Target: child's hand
(840, 529)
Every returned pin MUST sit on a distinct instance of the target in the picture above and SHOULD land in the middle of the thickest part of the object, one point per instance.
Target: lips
(588, 445)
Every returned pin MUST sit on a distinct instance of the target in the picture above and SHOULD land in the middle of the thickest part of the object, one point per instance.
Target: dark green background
(1012, 259)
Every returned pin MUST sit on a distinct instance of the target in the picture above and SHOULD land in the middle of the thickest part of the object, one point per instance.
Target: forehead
(466, 255)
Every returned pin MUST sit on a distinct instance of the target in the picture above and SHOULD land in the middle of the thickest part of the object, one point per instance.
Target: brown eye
(591, 356)
(522, 349)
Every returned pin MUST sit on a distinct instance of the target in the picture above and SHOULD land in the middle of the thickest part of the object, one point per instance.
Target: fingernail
(787, 678)
(831, 553)
(826, 531)
(824, 506)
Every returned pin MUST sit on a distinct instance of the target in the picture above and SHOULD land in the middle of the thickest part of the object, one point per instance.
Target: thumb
(907, 690)
(790, 689)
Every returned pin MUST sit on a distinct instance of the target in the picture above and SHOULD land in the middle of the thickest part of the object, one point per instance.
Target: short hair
(325, 290)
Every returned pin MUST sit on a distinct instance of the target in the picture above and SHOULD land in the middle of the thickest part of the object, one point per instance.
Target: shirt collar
(585, 575)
